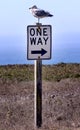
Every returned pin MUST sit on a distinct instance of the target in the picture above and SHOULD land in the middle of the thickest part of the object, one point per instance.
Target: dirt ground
(60, 105)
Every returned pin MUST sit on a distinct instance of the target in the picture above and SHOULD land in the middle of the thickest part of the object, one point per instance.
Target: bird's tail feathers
(50, 15)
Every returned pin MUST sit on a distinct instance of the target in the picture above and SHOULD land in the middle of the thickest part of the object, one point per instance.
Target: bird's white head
(33, 7)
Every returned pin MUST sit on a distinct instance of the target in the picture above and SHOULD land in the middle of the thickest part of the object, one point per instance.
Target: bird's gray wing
(41, 13)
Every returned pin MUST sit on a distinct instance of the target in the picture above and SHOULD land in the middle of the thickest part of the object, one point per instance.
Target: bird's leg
(38, 20)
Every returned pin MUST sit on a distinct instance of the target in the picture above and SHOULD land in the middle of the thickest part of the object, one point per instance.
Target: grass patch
(16, 72)
(61, 71)
(49, 72)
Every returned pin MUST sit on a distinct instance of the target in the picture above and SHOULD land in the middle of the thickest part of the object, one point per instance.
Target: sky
(15, 17)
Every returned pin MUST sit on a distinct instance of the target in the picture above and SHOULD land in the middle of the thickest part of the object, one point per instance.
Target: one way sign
(39, 41)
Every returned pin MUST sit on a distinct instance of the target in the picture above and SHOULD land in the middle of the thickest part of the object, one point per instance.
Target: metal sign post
(38, 92)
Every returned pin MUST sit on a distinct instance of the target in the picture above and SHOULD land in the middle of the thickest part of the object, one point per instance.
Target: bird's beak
(30, 8)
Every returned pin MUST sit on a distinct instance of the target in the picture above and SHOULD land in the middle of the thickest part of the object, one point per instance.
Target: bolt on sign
(39, 42)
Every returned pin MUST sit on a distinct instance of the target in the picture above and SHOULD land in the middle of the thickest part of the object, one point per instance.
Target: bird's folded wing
(41, 13)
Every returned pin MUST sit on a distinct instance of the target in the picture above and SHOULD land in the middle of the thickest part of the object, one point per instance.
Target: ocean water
(13, 50)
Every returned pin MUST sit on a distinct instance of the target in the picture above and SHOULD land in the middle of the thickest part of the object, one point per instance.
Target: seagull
(39, 13)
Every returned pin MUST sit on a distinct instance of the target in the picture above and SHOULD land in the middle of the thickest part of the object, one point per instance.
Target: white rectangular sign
(39, 41)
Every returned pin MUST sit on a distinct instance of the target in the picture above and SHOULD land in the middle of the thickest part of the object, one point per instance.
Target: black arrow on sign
(42, 52)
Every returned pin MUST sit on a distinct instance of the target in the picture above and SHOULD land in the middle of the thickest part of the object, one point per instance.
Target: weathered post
(38, 92)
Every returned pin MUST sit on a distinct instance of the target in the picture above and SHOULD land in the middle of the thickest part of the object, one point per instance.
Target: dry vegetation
(61, 97)
(49, 72)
